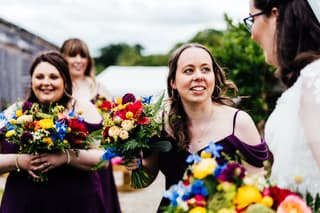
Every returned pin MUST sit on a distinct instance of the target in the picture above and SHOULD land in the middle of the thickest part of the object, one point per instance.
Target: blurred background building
(17, 49)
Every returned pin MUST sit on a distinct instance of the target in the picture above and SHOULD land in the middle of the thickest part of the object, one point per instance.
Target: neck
(200, 114)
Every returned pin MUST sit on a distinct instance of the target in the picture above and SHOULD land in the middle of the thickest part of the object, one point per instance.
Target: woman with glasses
(288, 31)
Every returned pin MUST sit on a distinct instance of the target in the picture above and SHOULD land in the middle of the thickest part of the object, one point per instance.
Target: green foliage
(313, 202)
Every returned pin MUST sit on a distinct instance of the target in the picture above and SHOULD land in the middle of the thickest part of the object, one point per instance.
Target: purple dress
(67, 190)
(173, 163)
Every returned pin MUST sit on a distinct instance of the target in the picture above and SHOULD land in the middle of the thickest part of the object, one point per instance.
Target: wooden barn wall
(17, 50)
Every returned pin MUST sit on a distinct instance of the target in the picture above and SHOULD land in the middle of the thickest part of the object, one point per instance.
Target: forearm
(9, 162)
(84, 159)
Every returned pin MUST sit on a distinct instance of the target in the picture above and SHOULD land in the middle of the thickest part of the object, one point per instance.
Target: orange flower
(293, 203)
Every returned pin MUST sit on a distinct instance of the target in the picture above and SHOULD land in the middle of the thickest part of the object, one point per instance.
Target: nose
(198, 76)
(78, 58)
(46, 81)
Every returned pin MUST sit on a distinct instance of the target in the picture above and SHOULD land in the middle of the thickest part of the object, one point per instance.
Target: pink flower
(293, 203)
(117, 160)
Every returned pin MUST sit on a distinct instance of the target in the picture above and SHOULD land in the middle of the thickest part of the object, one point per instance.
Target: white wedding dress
(293, 133)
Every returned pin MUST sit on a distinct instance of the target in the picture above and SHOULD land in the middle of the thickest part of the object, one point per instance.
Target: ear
(274, 12)
(173, 84)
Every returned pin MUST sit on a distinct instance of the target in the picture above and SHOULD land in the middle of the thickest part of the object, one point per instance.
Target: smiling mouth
(197, 88)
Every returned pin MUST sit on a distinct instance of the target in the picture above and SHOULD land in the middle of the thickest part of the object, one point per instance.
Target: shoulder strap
(234, 120)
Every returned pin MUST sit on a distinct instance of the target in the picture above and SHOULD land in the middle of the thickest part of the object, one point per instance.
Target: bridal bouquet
(36, 131)
(129, 128)
(102, 104)
(213, 188)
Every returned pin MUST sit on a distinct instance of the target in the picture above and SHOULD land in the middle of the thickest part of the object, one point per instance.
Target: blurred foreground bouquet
(213, 188)
(129, 128)
(37, 131)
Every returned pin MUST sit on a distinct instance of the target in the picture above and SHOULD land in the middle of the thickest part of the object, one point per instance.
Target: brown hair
(74, 46)
(57, 60)
(297, 36)
(178, 120)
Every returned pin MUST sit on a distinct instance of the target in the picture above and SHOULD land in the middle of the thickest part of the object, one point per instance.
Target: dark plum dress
(67, 190)
(173, 163)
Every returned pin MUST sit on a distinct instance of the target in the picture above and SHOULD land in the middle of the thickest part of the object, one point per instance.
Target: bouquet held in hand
(35, 130)
(129, 128)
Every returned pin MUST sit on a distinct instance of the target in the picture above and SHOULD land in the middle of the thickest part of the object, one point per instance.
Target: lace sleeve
(309, 110)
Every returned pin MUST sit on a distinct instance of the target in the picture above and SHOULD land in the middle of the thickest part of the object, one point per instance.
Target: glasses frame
(248, 21)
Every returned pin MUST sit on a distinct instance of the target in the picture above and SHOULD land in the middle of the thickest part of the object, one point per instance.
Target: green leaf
(133, 145)
(99, 165)
(161, 146)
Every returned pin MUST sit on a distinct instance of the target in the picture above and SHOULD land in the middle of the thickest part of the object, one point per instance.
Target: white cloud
(155, 24)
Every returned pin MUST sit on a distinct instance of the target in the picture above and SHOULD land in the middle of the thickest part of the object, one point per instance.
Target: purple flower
(26, 106)
(233, 172)
(25, 137)
(128, 97)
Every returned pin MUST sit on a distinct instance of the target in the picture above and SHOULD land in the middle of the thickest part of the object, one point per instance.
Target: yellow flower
(10, 133)
(119, 100)
(46, 123)
(205, 154)
(267, 201)
(247, 195)
(227, 210)
(13, 121)
(19, 113)
(204, 168)
(298, 179)
(47, 140)
(198, 209)
(129, 115)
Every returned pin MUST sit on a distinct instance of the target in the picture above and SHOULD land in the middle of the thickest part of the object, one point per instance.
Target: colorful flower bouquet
(130, 128)
(213, 188)
(102, 104)
(35, 131)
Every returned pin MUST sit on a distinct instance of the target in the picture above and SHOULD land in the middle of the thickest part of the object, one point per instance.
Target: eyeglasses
(248, 22)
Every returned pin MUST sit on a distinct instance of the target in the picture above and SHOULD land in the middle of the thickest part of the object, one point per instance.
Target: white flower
(124, 134)
(127, 125)
(114, 131)
(24, 119)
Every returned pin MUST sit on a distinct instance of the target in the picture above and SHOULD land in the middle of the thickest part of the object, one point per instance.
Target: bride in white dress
(289, 34)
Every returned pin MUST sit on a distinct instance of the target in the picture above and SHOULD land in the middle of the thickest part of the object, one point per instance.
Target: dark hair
(297, 36)
(74, 46)
(178, 120)
(57, 60)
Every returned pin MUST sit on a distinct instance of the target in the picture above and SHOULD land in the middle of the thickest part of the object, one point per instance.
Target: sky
(155, 24)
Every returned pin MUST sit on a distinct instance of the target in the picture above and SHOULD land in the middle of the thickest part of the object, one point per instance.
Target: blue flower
(177, 192)
(61, 128)
(219, 169)
(109, 154)
(197, 188)
(193, 158)
(147, 99)
(214, 149)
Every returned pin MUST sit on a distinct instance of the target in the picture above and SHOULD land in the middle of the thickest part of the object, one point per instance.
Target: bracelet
(68, 156)
(17, 163)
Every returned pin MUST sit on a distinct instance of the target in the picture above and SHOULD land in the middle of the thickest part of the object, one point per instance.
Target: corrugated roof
(140, 80)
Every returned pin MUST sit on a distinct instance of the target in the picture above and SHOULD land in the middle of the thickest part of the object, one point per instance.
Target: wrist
(68, 159)
(17, 163)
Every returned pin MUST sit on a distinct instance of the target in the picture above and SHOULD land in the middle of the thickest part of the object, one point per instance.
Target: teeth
(198, 88)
